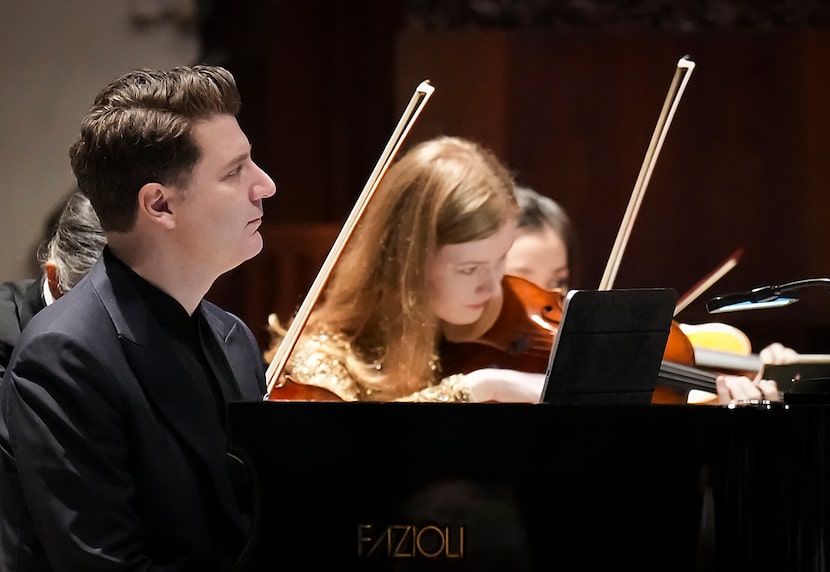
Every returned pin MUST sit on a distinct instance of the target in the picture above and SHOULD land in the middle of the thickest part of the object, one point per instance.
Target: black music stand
(609, 347)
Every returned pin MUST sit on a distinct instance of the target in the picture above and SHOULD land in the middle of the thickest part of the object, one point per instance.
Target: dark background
(568, 95)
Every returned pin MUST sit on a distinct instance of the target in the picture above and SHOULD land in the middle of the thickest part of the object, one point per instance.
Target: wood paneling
(743, 165)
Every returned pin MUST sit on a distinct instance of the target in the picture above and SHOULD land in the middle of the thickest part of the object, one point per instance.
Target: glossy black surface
(535, 487)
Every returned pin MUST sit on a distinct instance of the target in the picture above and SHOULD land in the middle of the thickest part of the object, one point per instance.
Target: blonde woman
(424, 263)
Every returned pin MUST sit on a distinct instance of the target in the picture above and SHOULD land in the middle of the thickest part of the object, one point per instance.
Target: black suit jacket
(109, 462)
(19, 301)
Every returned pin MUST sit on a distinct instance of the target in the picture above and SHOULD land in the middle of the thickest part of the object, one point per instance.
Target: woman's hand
(510, 386)
(505, 385)
(777, 353)
(733, 389)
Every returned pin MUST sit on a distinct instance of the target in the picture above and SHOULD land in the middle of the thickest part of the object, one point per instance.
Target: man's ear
(154, 204)
(52, 279)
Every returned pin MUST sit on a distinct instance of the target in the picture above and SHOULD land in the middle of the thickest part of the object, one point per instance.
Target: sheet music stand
(609, 347)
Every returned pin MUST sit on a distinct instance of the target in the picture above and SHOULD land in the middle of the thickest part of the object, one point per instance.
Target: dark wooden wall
(317, 84)
(744, 164)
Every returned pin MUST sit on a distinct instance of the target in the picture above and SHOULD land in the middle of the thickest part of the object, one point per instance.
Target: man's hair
(75, 243)
(140, 130)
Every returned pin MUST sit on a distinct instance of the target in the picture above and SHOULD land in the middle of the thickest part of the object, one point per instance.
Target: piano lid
(424, 486)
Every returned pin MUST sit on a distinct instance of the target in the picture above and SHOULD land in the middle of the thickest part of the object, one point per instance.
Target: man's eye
(236, 171)
(468, 270)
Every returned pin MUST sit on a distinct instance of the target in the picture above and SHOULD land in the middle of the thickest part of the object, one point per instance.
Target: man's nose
(264, 186)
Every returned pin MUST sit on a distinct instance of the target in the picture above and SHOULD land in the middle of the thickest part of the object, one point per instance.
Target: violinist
(424, 265)
(425, 262)
(546, 252)
(546, 249)
(112, 411)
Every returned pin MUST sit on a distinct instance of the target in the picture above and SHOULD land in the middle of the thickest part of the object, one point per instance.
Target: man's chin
(251, 250)
(255, 247)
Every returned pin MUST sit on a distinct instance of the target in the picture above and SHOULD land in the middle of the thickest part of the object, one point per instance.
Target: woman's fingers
(777, 353)
(740, 389)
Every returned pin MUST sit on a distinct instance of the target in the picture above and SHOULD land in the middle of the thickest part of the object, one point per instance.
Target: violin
(290, 390)
(716, 348)
(522, 339)
(723, 347)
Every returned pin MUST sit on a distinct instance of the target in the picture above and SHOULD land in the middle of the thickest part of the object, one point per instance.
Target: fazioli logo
(410, 541)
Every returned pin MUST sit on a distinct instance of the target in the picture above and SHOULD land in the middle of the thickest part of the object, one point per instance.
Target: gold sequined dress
(322, 360)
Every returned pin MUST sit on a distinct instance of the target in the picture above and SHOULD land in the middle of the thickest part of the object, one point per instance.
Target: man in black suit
(112, 411)
(73, 246)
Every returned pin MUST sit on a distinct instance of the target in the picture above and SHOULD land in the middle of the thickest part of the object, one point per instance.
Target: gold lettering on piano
(410, 541)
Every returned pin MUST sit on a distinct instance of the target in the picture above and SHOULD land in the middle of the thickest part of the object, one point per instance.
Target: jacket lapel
(247, 366)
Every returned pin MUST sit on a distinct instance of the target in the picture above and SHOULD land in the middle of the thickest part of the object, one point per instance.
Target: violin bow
(678, 85)
(707, 281)
(413, 109)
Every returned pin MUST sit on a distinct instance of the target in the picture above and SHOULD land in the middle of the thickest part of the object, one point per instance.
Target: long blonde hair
(443, 191)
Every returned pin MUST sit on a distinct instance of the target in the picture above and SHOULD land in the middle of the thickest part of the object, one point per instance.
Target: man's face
(219, 216)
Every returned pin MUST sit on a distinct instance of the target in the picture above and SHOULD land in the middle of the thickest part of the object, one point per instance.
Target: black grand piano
(398, 486)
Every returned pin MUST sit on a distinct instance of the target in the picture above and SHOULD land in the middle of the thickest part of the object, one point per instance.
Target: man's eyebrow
(240, 157)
